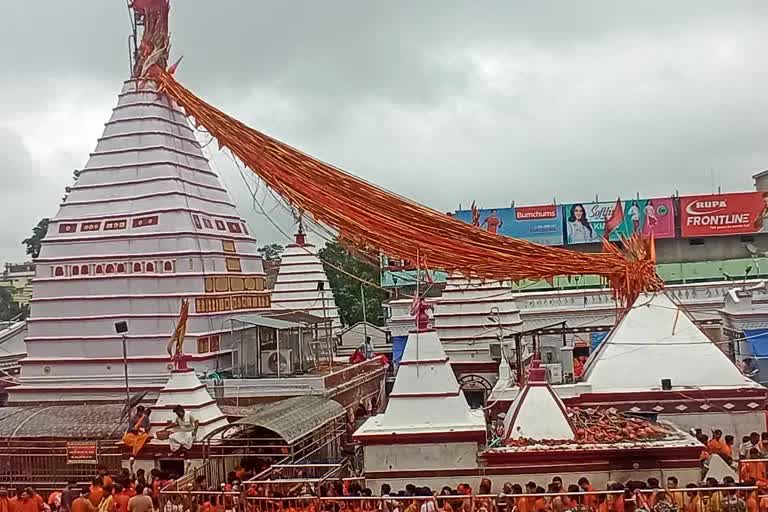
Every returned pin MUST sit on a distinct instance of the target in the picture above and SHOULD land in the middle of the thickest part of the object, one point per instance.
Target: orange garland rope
(371, 218)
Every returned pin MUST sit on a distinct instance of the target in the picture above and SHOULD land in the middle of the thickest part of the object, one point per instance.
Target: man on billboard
(493, 222)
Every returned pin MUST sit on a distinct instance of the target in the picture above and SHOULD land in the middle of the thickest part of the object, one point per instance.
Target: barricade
(252, 499)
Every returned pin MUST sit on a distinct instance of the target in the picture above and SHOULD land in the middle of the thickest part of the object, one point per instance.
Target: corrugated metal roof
(294, 418)
(263, 321)
(61, 422)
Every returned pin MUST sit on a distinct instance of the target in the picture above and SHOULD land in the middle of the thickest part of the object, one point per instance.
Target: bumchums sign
(723, 214)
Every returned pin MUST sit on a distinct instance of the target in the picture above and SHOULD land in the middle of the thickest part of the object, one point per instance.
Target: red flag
(615, 220)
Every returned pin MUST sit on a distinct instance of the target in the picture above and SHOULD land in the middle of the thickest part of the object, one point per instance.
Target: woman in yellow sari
(138, 430)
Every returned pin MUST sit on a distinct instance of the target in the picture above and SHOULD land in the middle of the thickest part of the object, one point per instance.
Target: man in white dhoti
(184, 430)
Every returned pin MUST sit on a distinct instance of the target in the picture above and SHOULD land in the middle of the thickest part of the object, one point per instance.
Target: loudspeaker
(121, 327)
(666, 384)
(320, 286)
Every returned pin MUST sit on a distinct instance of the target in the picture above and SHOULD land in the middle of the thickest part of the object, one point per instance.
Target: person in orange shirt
(540, 502)
(121, 498)
(106, 479)
(694, 500)
(520, 503)
(752, 471)
(589, 500)
(96, 491)
(728, 449)
(26, 502)
(716, 444)
(527, 502)
(752, 502)
(5, 501)
(655, 486)
(83, 503)
(675, 497)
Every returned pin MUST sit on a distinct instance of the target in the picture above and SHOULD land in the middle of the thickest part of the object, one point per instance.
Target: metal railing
(46, 463)
(251, 499)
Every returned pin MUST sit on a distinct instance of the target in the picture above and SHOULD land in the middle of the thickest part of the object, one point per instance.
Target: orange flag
(615, 220)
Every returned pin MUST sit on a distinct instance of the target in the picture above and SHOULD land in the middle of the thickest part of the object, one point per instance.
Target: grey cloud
(441, 101)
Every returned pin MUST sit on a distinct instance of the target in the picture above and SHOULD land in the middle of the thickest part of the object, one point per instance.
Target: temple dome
(537, 412)
(653, 341)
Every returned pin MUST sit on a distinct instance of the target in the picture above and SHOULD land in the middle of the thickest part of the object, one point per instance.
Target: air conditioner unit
(270, 360)
(554, 373)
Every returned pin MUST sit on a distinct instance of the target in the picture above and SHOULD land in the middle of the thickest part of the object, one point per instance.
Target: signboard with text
(82, 452)
(585, 222)
(539, 224)
(723, 214)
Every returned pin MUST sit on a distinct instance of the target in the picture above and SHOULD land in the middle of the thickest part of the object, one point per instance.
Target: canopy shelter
(303, 429)
(270, 347)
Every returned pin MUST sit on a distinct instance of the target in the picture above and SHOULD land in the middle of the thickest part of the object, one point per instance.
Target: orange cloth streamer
(371, 219)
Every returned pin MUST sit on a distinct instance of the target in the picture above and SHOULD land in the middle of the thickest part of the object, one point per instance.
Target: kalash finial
(301, 239)
(419, 309)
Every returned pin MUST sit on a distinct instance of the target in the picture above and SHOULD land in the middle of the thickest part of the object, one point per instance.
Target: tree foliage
(346, 289)
(271, 252)
(9, 309)
(33, 243)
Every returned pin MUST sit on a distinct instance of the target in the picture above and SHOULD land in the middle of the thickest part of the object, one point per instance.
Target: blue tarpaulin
(758, 342)
(596, 338)
(398, 347)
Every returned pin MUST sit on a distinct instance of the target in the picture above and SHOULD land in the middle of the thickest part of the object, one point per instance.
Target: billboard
(585, 222)
(540, 224)
(723, 214)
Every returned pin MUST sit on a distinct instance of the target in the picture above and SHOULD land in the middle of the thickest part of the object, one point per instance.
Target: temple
(474, 319)
(426, 410)
(537, 412)
(303, 285)
(637, 369)
(146, 224)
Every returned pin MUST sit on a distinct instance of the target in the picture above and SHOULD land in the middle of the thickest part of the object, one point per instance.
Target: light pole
(121, 328)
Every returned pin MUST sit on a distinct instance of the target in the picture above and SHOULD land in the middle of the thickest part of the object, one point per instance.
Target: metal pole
(125, 371)
(277, 340)
(519, 360)
(327, 331)
(366, 349)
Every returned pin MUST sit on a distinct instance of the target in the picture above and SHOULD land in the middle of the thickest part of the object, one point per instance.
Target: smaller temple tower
(302, 283)
(472, 318)
(428, 422)
(537, 412)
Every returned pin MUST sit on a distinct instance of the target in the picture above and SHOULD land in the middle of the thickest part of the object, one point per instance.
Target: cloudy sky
(442, 101)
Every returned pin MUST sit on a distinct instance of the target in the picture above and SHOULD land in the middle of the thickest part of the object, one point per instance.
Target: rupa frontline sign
(723, 214)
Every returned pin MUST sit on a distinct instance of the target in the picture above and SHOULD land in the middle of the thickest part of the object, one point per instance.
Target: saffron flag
(615, 220)
(177, 339)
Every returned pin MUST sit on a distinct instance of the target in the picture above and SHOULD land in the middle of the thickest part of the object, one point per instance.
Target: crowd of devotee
(144, 493)
(157, 491)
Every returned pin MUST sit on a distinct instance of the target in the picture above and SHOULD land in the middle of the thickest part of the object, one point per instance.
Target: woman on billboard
(579, 229)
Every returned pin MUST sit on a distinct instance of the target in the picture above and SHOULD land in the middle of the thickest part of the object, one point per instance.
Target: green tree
(9, 309)
(33, 243)
(271, 252)
(346, 289)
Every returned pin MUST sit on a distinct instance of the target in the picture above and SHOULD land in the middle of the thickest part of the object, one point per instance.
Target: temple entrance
(476, 390)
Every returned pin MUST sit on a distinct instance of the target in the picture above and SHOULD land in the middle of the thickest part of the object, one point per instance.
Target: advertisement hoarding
(585, 222)
(722, 214)
(540, 224)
